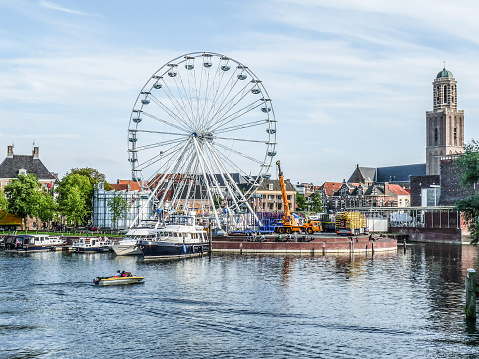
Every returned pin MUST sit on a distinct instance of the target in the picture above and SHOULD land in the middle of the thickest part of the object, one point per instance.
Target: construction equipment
(350, 223)
(290, 224)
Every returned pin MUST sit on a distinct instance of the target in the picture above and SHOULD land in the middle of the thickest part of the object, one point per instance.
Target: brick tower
(444, 124)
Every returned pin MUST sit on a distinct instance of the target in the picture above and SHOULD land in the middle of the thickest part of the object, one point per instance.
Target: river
(392, 305)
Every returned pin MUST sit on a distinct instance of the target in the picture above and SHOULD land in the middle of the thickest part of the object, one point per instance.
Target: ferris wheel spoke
(178, 78)
(238, 153)
(168, 111)
(163, 155)
(158, 144)
(231, 103)
(238, 139)
(164, 133)
(166, 156)
(241, 126)
(176, 104)
(164, 121)
(233, 116)
(220, 90)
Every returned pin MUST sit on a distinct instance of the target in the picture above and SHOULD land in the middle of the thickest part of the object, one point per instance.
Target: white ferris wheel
(202, 135)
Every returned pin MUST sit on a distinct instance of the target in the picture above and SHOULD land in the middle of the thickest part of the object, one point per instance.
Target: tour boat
(91, 245)
(180, 237)
(26, 243)
(117, 280)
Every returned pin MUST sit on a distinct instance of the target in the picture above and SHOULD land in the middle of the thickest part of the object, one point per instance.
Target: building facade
(269, 197)
(136, 198)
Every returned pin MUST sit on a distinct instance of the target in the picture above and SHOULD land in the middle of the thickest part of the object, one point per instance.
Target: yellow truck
(351, 224)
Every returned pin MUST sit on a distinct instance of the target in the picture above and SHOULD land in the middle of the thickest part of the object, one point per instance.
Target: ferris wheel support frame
(206, 181)
(158, 184)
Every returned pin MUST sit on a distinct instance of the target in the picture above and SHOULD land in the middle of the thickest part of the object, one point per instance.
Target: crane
(289, 222)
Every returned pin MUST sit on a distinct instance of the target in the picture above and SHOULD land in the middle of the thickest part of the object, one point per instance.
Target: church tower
(444, 124)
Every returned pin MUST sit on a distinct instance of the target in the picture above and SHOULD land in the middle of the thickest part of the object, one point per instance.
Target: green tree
(75, 194)
(316, 203)
(468, 164)
(300, 202)
(93, 175)
(46, 207)
(22, 195)
(118, 206)
(3, 201)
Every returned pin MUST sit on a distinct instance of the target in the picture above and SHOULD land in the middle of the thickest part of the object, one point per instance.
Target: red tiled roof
(121, 185)
(398, 190)
(331, 187)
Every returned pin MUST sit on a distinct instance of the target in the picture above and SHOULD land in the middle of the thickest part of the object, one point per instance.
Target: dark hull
(166, 250)
(90, 249)
(28, 249)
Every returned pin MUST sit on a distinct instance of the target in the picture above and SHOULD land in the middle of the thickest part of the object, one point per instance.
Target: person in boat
(117, 274)
(123, 274)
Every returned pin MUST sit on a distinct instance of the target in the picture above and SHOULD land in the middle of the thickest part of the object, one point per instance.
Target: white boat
(27, 243)
(117, 280)
(91, 245)
(181, 237)
(128, 245)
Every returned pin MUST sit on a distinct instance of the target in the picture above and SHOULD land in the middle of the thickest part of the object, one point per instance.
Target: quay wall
(413, 234)
(316, 247)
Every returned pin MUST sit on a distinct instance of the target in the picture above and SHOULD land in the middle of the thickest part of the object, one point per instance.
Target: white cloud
(57, 7)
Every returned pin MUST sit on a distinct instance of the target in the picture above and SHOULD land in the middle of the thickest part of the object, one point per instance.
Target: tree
(46, 207)
(3, 201)
(316, 203)
(23, 196)
(118, 206)
(300, 202)
(93, 175)
(468, 164)
(75, 194)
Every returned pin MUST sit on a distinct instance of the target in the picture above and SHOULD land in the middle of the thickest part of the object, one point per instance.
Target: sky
(350, 81)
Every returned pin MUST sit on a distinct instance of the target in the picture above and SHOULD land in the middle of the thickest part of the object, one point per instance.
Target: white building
(137, 199)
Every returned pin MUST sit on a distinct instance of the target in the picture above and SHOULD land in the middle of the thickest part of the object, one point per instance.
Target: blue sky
(350, 81)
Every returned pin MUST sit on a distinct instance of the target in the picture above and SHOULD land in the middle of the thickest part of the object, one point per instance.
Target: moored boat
(129, 244)
(181, 237)
(91, 245)
(117, 280)
(27, 243)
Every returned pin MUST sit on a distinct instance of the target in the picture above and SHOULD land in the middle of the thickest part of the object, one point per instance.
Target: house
(13, 165)
(270, 199)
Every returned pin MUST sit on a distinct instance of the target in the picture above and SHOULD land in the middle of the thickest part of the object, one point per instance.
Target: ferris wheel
(202, 134)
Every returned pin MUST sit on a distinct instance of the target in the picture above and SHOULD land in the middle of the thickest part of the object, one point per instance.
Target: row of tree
(71, 201)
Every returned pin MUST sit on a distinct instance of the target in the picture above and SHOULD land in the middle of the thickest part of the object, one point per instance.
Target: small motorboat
(117, 280)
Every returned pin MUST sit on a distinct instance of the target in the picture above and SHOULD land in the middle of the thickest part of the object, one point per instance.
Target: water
(392, 305)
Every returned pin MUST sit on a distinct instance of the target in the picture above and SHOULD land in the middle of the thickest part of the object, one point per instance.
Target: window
(271, 197)
(436, 135)
(445, 94)
(455, 135)
(270, 186)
